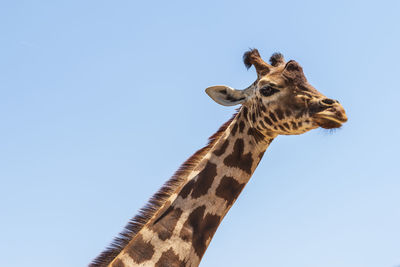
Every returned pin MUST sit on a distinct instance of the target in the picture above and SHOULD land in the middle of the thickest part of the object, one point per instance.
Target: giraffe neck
(180, 232)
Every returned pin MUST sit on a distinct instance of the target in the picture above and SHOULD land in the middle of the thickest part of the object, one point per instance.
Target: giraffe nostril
(328, 101)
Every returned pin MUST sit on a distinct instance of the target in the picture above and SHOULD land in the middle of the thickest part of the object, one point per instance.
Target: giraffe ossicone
(177, 225)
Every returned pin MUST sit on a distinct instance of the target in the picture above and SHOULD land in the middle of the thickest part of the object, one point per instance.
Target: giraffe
(178, 223)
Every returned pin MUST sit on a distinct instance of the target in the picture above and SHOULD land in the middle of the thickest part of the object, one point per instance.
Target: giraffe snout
(335, 108)
(341, 113)
(328, 102)
(332, 116)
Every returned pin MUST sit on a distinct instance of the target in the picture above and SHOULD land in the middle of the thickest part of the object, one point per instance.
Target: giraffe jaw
(330, 120)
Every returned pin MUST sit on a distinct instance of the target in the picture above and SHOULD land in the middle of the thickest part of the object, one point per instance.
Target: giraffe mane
(146, 213)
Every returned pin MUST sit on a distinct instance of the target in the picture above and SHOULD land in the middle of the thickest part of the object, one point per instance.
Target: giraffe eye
(268, 91)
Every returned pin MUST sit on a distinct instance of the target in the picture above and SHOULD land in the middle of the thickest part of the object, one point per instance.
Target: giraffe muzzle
(331, 117)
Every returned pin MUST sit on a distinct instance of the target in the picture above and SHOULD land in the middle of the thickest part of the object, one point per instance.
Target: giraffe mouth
(330, 119)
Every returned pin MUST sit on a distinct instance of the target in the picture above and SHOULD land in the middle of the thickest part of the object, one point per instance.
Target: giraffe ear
(225, 95)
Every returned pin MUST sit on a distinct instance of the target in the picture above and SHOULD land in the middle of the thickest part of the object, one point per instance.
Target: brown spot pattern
(229, 189)
(165, 225)
(238, 158)
(267, 120)
(241, 126)
(221, 150)
(187, 189)
(272, 116)
(140, 251)
(245, 111)
(199, 229)
(169, 259)
(118, 263)
(156, 203)
(186, 234)
(263, 125)
(234, 129)
(204, 180)
(256, 134)
(199, 185)
(279, 113)
(286, 126)
(299, 115)
(281, 127)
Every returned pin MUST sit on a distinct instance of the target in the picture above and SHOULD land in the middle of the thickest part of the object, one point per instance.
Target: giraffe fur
(177, 225)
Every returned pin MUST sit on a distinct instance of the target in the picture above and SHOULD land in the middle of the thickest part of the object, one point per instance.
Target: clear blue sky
(101, 101)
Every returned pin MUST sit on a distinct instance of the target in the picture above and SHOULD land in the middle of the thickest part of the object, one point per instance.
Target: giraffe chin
(328, 122)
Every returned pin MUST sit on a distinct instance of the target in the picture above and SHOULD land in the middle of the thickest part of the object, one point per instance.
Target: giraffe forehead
(275, 78)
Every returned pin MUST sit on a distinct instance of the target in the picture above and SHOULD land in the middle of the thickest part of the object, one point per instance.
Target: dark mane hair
(156, 202)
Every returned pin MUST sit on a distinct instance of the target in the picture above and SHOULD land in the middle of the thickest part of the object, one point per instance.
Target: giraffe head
(281, 101)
